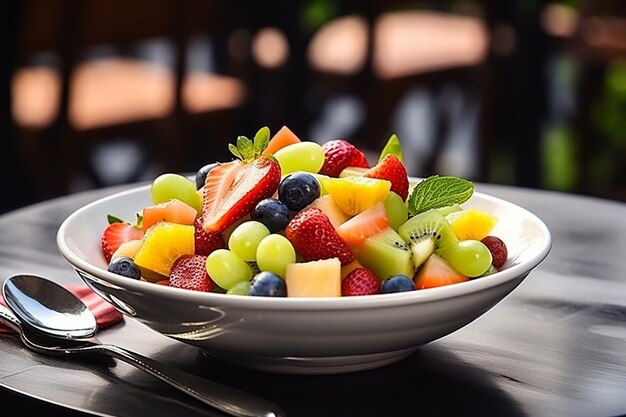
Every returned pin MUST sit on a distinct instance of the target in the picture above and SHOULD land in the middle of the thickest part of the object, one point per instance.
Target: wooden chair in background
(62, 109)
(388, 50)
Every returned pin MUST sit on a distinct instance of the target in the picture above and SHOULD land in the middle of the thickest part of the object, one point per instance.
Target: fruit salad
(293, 218)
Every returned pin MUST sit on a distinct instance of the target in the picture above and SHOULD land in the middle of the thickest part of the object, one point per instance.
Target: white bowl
(302, 335)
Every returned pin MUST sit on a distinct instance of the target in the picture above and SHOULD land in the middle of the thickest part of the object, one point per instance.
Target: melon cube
(336, 216)
(314, 279)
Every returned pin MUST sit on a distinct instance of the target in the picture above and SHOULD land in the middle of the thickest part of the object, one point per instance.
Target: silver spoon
(56, 322)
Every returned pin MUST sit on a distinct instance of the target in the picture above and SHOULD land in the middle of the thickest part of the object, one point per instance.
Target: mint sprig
(111, 219)
(261, 140)
(436, 192)
(248, 150)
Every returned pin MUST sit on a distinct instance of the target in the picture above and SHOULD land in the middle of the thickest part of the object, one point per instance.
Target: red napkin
(106, 314)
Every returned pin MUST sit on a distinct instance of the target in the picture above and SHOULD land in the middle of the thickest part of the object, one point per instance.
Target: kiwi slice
(427, 233)
(386, 254)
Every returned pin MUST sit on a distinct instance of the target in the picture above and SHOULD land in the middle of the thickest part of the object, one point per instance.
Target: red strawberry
(189, 272)
(360, 282)
(340, 154)
(233, 189)
(392, 169)
(313, 236)
(206, 242)
(116, 234)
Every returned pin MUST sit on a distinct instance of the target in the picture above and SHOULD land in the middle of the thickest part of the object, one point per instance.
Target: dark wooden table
(555, 347)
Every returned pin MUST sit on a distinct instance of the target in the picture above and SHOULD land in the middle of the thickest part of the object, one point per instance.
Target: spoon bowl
(48, 308)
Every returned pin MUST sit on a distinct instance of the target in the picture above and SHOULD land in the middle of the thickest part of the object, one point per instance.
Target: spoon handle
(9, 319)
(226, 399)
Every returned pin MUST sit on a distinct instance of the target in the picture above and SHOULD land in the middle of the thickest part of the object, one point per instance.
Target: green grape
(241, 288)
(274, 253)
(173, 186)
(245, 239)
(449, 209)
(321, 178)
(227, 269)
(353, 172)
(303, 156)
(396, 209)
(469, 257)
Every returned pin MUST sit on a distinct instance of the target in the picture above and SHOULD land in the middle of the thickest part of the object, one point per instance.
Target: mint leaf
(436, 192)
(392, 147)
(113, 219)
(261, 139)
(246, 148)
(233, 149)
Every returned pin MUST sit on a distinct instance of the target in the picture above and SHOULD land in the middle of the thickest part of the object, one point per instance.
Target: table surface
(556, 346)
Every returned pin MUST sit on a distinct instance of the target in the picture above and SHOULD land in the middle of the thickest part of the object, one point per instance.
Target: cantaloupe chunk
(363, 225)
(128, 249)
(284, 137)
(436, 273)
(314, 279)
(173, 211)
(336, 216)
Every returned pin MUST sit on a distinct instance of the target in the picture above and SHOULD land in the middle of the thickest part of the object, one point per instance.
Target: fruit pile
(298, 219)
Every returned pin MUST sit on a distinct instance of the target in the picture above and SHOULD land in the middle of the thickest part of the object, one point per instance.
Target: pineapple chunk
(162, 244)
(354, 195)
(471, 224)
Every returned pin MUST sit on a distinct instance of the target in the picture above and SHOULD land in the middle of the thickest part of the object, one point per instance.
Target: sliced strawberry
(360, 282)
(363, 225)
(233, 189)
(314, 238)
(436, 272)
(393, 170)
(189, 272)
(340, 154)
(206, 242)
(116, 234)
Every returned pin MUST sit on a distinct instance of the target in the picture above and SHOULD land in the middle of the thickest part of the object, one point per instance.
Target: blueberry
(125, 267)
(298, 190)
(266, 284)
(397, 283)
(202, 173)
(272, 213)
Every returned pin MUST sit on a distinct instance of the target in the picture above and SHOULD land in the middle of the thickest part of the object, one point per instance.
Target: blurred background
(524, 92)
